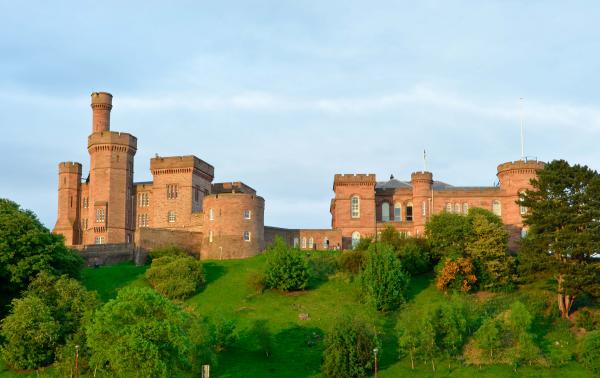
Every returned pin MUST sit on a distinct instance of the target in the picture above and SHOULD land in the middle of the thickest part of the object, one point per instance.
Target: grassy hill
(298, 343)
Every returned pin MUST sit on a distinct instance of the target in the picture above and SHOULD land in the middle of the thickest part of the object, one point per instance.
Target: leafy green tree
(139, 334)
(31, 334)
(520, 318)
(488, 336)
(413, 252)
(176, 276)
(286, 268)
(383, 280)
(562, 219)
(447, 234)
(348, 349)
(28, 248)
(408, 341)
(588, 351)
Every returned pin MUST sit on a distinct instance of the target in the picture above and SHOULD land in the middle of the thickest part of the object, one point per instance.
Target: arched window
(409, 211)
(522, 209)
(355, 207)
(397, 212)
(424, 208)
(303, 243)
(296, 242)
(497, 208)
(465, 208)
(385, 212)
(325, 243)
(311, 243)
(457, 208)
(449, 207)
(355, 238)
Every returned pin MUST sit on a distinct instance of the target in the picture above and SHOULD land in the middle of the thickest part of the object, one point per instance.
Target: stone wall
(110, 254)
(148, 239)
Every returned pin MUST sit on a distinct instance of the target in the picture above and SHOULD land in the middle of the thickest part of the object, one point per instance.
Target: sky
(282, 95)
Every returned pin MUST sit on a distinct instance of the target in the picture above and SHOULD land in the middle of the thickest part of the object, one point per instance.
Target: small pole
(521, 123)
(76, 361)
(375, 352)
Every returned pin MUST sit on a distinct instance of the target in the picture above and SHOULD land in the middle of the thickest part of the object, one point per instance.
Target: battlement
(521, 166)
(112, 138)
(102, 100)
(354, 179)
(422, 176)
(181, 164)
(69, 167)
(232, 187)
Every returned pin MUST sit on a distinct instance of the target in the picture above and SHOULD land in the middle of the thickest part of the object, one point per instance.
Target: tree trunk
(433, 364)
(412, 361)
(565, 301)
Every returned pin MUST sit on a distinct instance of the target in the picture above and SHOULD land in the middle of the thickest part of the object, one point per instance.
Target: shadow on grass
(107, 280)
(418, 284)
(213, 271)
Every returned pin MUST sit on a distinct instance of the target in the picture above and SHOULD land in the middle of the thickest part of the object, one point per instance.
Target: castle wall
(153, 238)
(323, 239)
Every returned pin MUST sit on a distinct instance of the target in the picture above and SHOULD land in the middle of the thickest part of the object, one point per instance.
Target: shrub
(414, 257)
(456, 274)
(588, 351)
(348, 349)
(286, 268)
(383, 280)
(222, 334)
(363, 244)
(352, 261)
(170, 250)
(321, 265)
(176, 277)
(257, 282)
(585, 319)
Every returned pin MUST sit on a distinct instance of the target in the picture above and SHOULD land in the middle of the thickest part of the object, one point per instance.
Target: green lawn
(228, 295)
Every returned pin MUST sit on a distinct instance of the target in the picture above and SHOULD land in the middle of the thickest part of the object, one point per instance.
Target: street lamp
(375, 353)
(76, 361)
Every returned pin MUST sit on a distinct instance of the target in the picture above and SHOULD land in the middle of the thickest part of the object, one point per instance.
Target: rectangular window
(247, 214)
(355, 207)
(210, 236)
(100, 215)
(246, 235)
(171, 217)
(84, 202)
(144, 199)
(211, 214)
(172, 191)
(143, 220)
(196, 194)
(424, 208)
(99, 240)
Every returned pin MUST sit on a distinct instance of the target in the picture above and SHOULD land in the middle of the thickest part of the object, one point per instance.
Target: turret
(514, 176)
(101, 106)
(69, 193)
(422, 183)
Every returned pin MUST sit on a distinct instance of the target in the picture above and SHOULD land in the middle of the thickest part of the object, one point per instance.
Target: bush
(352, 261)
(257, 282)
(588, 351)
(286, 268)
(170, 250)
(585, 319)
(415, 258)
(456, 274)
(383, 280)
(348, 349)
(321, 265)
(176, 277)
(222, 334)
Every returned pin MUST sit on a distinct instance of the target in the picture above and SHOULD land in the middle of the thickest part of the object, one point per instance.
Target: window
(171, 217)
(99, 240)
(465, 208)
(397, 212)
(247, 214)
(311, 243)
(448, 207)
(497, 208)
(211, 214)
(385, 212)
(84, 202)
(424, 208)
(409, 211)
(303, 243)
(143, 199)
(172, 191)
(143, 220)
(522, 209)
(457, 208)
(524, 232)
(355, 238)
(84, 224)
(355, 207)
(100, 215)
(196, 194)
(210, 236)
(325, 243)
(246, 235)
(296, 242)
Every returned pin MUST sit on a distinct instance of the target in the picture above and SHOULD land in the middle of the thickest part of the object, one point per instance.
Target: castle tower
(111, 178)
(69, 193)
(422, 183)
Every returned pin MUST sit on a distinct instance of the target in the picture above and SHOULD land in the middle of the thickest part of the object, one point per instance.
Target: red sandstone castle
(182, 205)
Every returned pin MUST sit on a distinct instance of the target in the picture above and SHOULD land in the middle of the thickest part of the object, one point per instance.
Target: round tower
(422, 183)
(101, 106)
(69, 193)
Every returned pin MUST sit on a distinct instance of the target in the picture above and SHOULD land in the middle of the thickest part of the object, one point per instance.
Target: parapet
(69, 167)
(231, 187)
(102, 100)
(354, 179)
(112, 138)
(422, 176)
(521, 166)
(161, 164)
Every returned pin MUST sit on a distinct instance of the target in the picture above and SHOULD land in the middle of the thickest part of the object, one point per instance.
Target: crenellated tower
(69, 196)
(110, 211)
(422, 183)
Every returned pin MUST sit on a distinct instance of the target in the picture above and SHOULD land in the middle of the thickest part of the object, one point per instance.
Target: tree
(447, 233)
(457, 274)
(31, 334)
(488, 336)
(286, 268)
(563, 213)
(28, 248)
(176, 276)
(348, 349)
(588, 350)
(139, 334)
(383, 280)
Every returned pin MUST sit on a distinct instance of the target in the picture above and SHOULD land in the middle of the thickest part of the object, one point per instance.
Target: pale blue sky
(283, 95)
